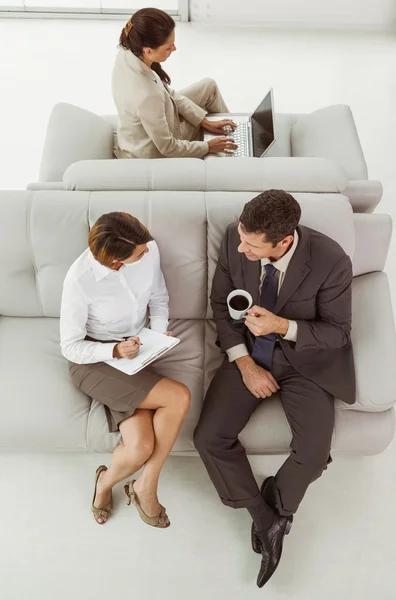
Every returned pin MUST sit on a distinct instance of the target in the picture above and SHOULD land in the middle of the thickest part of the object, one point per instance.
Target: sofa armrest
(372, 238)
(363, 433)
(364, 195)
(331, 133)
(374, 344)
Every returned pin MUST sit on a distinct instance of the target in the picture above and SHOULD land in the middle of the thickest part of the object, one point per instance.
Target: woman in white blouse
(154, 121)
(107, 295)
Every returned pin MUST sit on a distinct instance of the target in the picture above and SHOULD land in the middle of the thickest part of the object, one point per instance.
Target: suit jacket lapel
(297, 270)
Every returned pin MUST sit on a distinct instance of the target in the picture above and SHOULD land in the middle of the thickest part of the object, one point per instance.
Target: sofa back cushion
(283, 125)
(18, 285)
(334, 124)
(42, 233)
(329, 214)
(177, 221)
(73, 134)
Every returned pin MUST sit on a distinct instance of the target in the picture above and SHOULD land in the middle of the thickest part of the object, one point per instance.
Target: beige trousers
(205, 94)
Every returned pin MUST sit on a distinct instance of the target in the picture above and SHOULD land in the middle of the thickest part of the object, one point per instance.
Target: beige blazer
(151, 116)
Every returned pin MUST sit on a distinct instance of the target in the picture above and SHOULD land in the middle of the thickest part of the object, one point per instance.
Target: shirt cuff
(104, 351)
(291, 335)
(237, 352)
(159, 324)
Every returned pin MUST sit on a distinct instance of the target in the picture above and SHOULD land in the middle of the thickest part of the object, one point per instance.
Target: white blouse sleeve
(73, 321)
(159, 298)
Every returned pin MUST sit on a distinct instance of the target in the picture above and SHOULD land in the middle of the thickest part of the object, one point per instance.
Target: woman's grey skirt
(120, 393)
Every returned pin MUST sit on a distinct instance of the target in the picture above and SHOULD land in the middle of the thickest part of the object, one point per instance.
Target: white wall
(372, 14)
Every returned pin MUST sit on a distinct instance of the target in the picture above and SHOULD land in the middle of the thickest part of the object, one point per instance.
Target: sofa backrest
(75, 134)
(42, 233)
(316, 175)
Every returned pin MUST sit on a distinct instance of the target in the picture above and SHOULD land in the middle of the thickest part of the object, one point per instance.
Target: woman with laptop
(155, 121)
(107, 295)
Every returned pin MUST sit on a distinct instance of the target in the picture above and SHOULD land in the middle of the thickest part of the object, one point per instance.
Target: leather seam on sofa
(31, 250)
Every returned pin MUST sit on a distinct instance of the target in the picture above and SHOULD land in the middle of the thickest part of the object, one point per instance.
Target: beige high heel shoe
(161, 521)
(105, 512)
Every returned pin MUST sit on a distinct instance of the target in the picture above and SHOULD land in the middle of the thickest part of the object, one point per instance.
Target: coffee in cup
(239, 303)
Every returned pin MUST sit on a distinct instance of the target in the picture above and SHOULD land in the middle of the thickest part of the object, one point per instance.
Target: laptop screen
(262, 121)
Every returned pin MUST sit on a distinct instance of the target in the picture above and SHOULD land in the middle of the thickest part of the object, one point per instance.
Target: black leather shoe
(271, 543)
(269, 496)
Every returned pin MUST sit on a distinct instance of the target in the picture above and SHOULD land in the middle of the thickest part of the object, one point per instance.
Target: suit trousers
(205, 94)
(227, 408)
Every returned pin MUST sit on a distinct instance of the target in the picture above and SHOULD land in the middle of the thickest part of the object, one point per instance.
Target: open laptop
(255, 132)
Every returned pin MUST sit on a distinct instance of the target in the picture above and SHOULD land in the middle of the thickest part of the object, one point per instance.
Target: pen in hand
(124, 340)
(126, 348)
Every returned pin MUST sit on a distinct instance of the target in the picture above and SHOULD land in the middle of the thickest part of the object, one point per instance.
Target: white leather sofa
(41, 233)
(75, 135)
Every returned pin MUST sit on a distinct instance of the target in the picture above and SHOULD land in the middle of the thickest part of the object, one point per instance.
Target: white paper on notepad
(153, 346)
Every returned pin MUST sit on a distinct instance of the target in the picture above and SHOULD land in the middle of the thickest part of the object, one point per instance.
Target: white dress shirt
(106, 304)
(281, 265)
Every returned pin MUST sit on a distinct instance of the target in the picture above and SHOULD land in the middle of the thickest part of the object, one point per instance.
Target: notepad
(153, 346)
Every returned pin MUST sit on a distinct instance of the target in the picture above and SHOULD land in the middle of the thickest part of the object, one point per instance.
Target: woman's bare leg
(170, 400)
(136, 447)
(148, 437)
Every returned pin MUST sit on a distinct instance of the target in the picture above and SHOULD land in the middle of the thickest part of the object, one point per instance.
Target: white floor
(343, 543)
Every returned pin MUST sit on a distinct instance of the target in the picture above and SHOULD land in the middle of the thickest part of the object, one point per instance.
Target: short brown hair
(115, 236)
(274, 213)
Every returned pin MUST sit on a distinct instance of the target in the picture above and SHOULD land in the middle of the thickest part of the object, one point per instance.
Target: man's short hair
(274, 213)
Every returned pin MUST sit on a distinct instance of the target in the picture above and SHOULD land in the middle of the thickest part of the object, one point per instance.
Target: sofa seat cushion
(41, 407)
(268, 432)
(362, 433)
(373, 340)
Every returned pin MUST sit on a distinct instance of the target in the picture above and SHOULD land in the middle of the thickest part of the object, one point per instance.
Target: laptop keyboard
(240, 137)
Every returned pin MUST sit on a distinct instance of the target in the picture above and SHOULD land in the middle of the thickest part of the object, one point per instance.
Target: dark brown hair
(115, 237)
(148, 28)
(274, 213)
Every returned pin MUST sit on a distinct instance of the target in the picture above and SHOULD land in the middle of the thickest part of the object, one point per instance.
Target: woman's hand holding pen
(127, 349)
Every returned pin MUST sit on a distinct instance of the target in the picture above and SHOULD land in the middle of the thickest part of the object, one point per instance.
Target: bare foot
(102, 497)
(148, 499)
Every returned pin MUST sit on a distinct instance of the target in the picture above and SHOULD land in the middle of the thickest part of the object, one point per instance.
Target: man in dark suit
(296, 339)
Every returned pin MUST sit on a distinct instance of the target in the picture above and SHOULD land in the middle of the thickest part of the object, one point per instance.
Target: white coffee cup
(239, 302)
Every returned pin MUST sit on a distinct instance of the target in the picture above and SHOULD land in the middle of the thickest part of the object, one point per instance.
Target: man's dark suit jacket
(316, 292)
